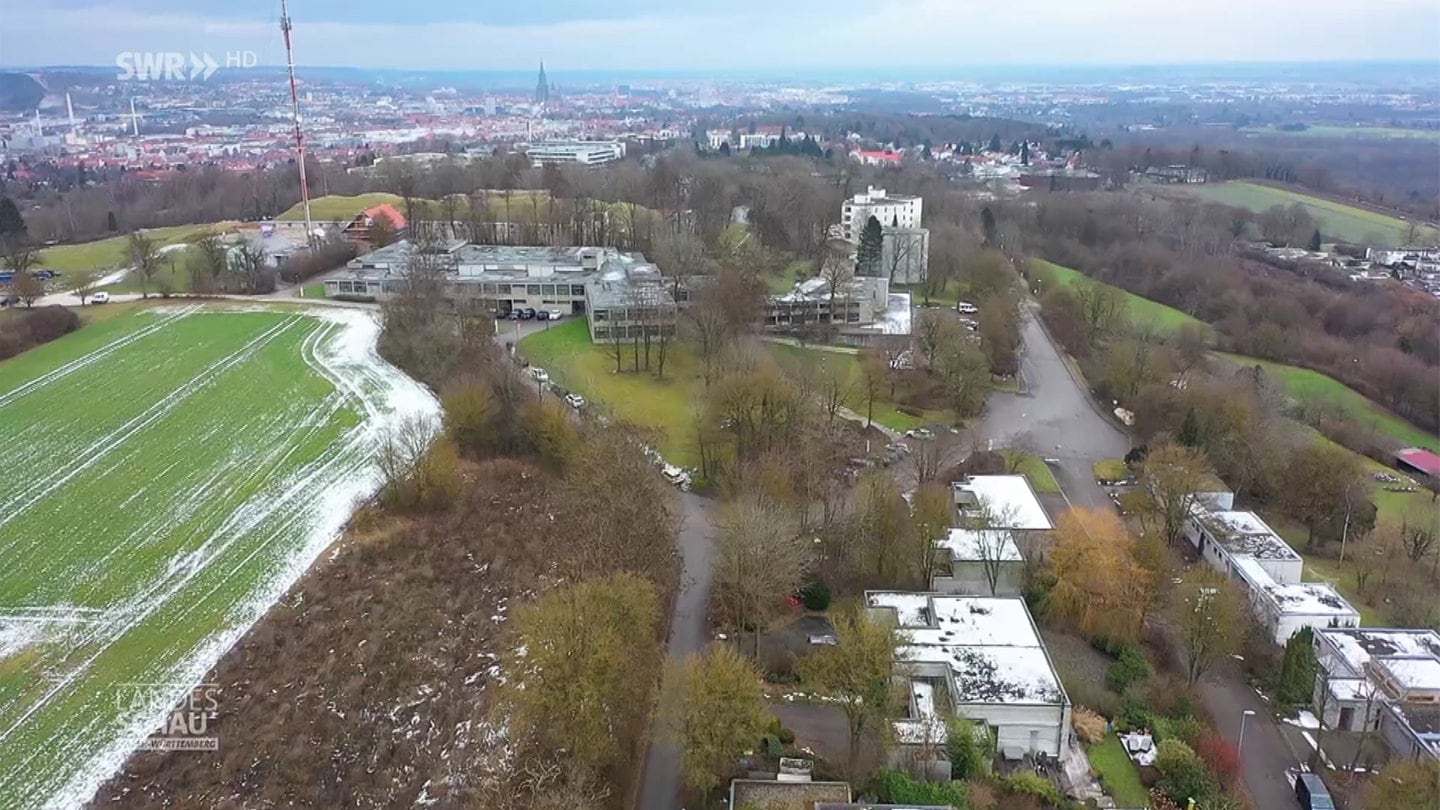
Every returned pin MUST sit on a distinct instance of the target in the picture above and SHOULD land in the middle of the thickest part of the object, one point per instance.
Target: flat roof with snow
(979, 545)
(989, 645)
(1009, 500)
(1358, 645)
(1245, 533)
(1298, 599)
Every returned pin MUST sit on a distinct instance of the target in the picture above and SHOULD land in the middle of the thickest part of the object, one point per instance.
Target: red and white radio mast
(295, 112)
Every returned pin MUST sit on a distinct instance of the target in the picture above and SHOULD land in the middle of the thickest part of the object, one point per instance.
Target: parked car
(920, 433)
(100, 298)
(575, 401)
(515, 315)
(555, 314)
(527, 314)
(1311, 792)
(676, 476)
(542, 314)
(540, 374)
(966, 308)
(9, 301)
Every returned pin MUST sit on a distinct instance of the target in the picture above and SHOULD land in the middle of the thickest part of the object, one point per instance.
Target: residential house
(1383, 680)
(361, 229)
(981, 658)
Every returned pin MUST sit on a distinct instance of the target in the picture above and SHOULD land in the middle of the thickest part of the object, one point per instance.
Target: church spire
(542, 87)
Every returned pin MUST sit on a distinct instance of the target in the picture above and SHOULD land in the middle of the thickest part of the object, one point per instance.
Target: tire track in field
(81, 362)
(40, 488)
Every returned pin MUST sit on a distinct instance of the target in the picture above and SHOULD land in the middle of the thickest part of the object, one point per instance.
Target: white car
(100, 298)
(676, 476)
(540, 374)
(920, 433)
(966, 308)
(575, 401)
(556, 314)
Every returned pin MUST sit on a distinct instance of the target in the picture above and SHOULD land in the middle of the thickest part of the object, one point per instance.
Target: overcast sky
(725, 34)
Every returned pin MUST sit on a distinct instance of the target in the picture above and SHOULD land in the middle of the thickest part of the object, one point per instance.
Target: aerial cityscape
(824, 407)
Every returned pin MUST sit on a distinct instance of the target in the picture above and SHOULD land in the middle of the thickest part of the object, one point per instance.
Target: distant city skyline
(621, 35)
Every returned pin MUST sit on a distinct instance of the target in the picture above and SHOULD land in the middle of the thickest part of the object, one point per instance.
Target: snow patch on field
(293, 518)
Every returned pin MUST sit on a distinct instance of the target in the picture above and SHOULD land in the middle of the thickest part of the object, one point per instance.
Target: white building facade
(585, 153)
(899, 211)
(1383, 680)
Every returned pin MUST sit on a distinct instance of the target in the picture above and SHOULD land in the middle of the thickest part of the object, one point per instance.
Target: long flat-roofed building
(982, 658)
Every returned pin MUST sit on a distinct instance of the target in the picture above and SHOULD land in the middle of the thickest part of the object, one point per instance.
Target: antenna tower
(295, 113)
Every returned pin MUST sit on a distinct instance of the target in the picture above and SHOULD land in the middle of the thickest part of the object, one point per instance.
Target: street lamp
(1240, 744)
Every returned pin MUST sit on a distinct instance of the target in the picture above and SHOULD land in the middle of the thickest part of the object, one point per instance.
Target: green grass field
(1141, 311)
(1121, 778)
(667, 405)
(886, 413)
(110, 253)
(339, 208)
(166, 473)
(1335, 220)
(1313, 387)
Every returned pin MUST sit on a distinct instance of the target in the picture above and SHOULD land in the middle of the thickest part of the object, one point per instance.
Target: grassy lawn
(1312, 386)
(667, 405)
(1110, 469)
(110, 253)
(1335, 219)
(316, 290)
(339, 208)
(1142, 311)
(1121, 778)
(1034, 468)
(886, 412)
(168, 472)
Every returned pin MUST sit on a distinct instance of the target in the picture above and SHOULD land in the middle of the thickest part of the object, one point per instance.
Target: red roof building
(1419, 460)
(359, 229)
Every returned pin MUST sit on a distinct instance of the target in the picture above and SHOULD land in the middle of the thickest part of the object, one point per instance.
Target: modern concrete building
(1382, 679)
(981, 658)
(971, 556)
(1245, 548)
(585, 153)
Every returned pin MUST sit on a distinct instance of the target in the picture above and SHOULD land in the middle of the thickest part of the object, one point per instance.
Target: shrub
(771, 744)
(786, 736)
(1026, 783)
(899, 787)
(1219, 801)
(1089, 725)
(969, 755)
(25, 329)
(1182, 773)
(909, 411)
(815, 595)
(1220, 756)
(1186, 729)
(1134, 715)
(1130, 667)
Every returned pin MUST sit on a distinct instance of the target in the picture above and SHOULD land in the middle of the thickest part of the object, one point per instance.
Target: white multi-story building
(981, 658)
(586, 153)
(901, 211)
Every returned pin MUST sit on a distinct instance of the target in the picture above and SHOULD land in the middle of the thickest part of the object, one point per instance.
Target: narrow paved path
(660, 785)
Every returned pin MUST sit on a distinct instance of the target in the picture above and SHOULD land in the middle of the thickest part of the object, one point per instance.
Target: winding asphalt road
(1059, 415)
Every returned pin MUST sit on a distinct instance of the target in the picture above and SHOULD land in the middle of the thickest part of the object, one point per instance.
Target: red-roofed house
(1419, 460)
(876, 158)
(359, 229)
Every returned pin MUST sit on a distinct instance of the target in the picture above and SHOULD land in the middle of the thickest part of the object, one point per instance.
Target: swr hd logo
(175, 66)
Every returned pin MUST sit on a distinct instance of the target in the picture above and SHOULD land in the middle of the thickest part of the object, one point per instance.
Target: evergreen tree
(995, 142)
(12, 225)
(1025, 153)
(987, 222)
(1189, 429)
(867, 257)
(110, 223)
(925, 152)
(1315, 240)
(1297, 671)
(724, 149)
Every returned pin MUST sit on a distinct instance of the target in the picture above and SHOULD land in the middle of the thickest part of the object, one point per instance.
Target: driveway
(1266, 754)
(660, 779)
(1060, 416)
